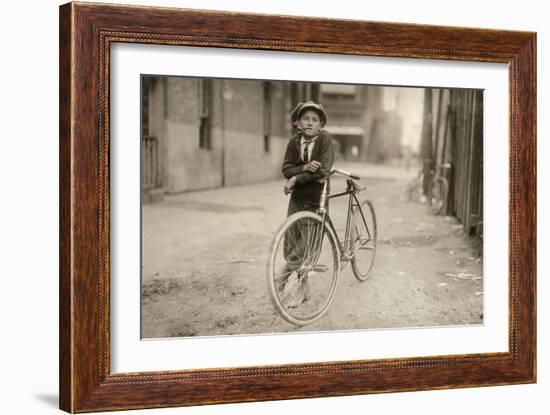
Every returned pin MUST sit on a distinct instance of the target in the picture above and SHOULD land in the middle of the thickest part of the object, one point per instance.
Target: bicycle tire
(439, 190)
(365, 232)
(320, 282)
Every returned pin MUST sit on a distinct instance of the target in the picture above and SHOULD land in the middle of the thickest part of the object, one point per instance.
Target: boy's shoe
(301, 294)
(280, 285)
(283, 276)
(281, 279)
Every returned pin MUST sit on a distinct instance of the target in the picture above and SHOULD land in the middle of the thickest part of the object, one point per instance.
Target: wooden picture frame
(86, 33)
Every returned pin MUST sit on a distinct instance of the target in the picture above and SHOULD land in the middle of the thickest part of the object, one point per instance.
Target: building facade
(373, 123)
(200, 133)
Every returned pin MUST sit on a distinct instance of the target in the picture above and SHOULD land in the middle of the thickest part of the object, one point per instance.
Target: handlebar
(345, 173)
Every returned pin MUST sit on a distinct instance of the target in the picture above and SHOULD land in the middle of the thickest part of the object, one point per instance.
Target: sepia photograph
(277, 206)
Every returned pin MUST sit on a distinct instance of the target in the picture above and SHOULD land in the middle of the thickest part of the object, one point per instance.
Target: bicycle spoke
(308, 244)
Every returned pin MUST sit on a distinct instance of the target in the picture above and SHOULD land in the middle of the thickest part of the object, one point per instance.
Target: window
(145, 91)
(267, 116)
(205, 113)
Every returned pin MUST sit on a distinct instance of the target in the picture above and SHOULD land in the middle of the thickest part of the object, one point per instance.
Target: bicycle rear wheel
(363, 234)
(303, 268)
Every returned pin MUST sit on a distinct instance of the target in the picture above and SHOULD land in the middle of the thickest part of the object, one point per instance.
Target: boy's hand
(312, 166)
(289, 185)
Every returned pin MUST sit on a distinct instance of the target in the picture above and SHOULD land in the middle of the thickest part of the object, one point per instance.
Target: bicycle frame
(344, 247)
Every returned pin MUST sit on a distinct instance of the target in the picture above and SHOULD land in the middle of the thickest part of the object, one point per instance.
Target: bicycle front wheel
(303, 268)
(363, 234)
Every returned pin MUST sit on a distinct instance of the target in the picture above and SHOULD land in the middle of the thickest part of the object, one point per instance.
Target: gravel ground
(204, 256)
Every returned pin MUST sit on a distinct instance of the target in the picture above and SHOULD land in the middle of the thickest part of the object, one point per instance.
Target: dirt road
(204, 257)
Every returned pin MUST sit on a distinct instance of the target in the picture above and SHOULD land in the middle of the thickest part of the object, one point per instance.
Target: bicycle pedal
(319, 268)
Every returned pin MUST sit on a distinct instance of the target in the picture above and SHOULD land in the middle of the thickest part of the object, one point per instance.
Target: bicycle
(414, 187)
(306, 256)
(439, 189)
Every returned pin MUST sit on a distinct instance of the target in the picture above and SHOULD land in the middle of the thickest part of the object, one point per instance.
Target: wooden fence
(453, 136)
(466, 190)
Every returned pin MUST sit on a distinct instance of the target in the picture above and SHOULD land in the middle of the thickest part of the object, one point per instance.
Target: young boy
(308, 159)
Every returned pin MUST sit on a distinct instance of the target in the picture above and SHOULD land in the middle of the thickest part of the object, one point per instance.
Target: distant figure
(407, 153)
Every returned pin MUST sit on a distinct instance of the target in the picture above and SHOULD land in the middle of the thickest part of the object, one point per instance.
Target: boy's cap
(302, 106)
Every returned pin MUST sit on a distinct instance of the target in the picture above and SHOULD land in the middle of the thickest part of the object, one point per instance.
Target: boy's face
(310, 123)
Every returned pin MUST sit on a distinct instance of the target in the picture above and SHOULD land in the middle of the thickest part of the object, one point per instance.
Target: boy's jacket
(308, 185)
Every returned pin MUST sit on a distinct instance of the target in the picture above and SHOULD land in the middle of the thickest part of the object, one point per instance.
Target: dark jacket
(307, 185)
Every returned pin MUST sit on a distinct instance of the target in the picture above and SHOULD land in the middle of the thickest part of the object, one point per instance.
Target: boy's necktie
(306, 155)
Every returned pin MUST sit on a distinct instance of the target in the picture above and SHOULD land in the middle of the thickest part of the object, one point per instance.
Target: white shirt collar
(303, 140)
